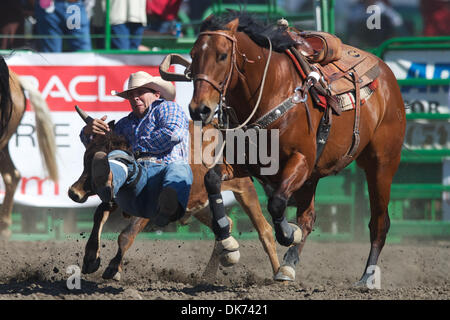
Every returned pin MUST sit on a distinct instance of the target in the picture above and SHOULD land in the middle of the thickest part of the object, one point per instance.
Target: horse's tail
(5, 99)
(44, 128)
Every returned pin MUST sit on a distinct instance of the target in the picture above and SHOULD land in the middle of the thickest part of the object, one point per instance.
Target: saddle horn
(86, 118)
(174, 58)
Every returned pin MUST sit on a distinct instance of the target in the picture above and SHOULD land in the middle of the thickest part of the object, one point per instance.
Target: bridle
(223, 86)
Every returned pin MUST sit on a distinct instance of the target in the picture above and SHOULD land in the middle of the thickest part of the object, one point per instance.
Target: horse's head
(82, 188)
(213, 57)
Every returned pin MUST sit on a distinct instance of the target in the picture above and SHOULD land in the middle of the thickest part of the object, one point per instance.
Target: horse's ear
(233, 25)
(208, 18)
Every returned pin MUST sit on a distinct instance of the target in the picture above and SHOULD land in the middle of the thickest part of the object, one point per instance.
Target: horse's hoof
(111, 273)
(116, 276)
(90, 266)
(364, 284)
(229, 252)
(370, 280)
(361, 285)
(229, 258)
(285, 273)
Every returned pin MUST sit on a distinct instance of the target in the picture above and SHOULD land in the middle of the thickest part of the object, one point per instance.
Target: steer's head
(82, 188)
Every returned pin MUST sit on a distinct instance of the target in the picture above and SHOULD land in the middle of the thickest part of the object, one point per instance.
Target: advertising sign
(66, 80)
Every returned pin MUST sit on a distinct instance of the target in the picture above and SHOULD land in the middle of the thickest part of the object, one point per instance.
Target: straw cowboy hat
(142, 79)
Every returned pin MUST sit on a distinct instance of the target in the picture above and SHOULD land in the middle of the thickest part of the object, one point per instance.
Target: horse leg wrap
(287, 233)
(213, 181)
(276, 206)
(220, 223)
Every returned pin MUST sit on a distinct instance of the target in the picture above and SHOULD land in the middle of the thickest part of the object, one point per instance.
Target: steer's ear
(112, 124)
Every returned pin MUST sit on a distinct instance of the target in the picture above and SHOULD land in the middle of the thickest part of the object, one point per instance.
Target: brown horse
(12, 109)
(243, 190)
(230, 63)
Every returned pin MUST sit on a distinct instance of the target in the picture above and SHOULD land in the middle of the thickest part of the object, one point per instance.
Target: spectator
(127, 19)
(391, 23)
(57, 18)
(12, 21)
(436, 17)
(197, 9)
(162, 15)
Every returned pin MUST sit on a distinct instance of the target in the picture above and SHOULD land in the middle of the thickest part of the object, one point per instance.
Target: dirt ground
(165, 269)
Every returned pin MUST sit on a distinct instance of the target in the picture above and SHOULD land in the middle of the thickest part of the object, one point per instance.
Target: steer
(243, 190)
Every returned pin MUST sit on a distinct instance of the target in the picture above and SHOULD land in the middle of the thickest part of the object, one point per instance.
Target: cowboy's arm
(171, 122)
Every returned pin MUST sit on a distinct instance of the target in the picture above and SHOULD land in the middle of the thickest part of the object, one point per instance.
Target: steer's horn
(174, 58)
(86, 118)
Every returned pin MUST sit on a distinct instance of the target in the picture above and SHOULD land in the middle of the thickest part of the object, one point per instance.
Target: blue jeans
(65, 19)
(138, 195)
(126, 36)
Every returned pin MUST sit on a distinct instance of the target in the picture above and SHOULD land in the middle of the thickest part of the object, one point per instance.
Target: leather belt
(147, 156)
(151, 159)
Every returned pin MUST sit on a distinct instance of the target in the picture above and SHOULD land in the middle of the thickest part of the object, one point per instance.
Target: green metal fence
(341, 200)
(417, 192)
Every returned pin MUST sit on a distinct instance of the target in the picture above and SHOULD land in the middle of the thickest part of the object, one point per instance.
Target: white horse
(12, 109)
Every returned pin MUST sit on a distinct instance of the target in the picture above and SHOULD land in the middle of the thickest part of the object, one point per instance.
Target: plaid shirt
(163, 133)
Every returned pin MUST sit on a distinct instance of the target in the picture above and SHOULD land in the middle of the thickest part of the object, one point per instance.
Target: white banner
(65, 80)
(424, 64)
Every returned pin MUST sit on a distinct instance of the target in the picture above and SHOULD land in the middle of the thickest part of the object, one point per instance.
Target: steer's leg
(91, 260)
(125, 240)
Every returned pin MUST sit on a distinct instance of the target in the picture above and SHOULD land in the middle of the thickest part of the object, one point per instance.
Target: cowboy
(154, 182)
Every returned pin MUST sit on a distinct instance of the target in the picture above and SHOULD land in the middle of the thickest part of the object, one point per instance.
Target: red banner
(87, 86)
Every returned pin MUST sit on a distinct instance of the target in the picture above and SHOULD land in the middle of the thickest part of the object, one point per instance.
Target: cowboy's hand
(97, 126)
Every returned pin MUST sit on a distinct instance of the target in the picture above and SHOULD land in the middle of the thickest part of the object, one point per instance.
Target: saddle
(332, 71)
(335, 61)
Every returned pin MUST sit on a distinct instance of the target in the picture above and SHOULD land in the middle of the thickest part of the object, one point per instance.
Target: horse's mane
(255, 29)
(5, 99)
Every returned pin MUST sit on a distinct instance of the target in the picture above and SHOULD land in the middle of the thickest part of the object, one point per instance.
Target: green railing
(412, 43)
(417, 190)
(341, 201)
(170, 43)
